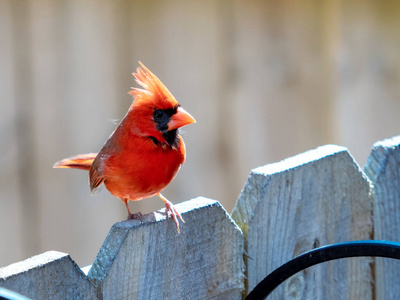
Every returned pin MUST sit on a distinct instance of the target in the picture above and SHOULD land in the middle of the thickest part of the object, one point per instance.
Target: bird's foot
(172, 212)
(137, 215)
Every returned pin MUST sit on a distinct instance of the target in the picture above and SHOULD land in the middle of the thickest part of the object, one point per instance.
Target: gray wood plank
(383, 168)
(148, 259)
(51, 275)
(313, 199)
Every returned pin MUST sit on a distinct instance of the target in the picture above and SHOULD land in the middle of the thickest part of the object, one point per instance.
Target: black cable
(320, 255)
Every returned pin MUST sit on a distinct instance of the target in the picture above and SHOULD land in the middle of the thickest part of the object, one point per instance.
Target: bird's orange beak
(179, 119)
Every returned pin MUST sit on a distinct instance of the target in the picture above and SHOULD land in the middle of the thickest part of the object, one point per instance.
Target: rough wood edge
(244, 210)
(118, 232)
(31, 263)
(377, 159)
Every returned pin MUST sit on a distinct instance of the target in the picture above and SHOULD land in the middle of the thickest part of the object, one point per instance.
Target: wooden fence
(313, 199)
(264, 80)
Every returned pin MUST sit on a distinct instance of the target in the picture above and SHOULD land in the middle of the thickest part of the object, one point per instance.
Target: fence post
(148, 259)
(287, 208)
(383, 169)
(51, 275)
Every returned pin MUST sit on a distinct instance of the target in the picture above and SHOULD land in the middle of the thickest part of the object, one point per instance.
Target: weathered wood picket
(316, 198)
(313, 199)
(383, 169)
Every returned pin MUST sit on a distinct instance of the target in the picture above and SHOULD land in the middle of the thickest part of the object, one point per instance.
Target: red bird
(145, 152)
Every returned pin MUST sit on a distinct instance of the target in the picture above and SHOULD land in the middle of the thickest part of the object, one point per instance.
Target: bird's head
(155, 112)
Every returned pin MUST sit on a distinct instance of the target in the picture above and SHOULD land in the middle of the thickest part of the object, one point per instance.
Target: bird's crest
(153, 88)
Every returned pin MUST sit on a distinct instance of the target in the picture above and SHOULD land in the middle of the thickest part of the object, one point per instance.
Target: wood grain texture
(383, 169)
(148, 259)
(51, 275)
(313, 199)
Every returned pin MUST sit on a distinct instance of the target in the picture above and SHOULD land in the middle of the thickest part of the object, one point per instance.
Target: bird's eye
(158, 114)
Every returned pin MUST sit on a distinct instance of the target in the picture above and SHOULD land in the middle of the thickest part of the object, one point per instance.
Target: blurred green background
(264, 79)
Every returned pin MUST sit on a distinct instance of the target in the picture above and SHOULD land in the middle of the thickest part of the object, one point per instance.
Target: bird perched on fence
(145, 151)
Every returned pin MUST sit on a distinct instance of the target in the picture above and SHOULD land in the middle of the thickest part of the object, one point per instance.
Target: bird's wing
(96, 178)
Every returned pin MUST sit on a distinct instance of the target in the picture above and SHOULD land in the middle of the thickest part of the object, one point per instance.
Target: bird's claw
(137, 215)
(170, 211)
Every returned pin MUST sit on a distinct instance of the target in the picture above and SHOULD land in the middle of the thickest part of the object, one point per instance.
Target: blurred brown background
(264, 79)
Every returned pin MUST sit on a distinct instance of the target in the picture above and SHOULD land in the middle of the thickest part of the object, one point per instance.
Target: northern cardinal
(145, 152)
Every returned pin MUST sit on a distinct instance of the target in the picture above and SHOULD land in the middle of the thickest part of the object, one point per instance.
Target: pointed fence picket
(316, 198)
(383, 169)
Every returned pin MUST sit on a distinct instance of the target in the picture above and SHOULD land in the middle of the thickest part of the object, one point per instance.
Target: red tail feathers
(82, 162)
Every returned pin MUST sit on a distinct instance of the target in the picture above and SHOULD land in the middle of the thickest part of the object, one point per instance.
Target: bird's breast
(142, 169)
